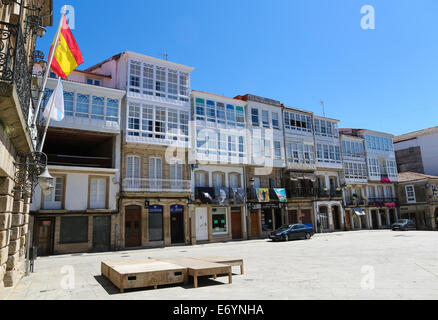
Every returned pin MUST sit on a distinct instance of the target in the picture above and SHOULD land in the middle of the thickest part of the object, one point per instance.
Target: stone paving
(379, 264)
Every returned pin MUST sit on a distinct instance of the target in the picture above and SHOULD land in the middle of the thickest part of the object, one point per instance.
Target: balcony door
(132, 173)
(176, 173)
(155, 173)
(98, 196)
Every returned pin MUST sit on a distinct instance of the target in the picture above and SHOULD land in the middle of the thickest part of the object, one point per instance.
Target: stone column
(388, 218)
(6, 203)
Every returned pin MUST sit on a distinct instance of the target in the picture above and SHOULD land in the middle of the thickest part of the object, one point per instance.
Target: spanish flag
(67, 55)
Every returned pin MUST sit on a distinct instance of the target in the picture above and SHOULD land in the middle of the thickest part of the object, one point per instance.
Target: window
(155, 173)
(68, 103)
(112, 110)
(172, 89)
(98, 104)
(218, 180)
(134, 76)
(211, 113)
(410, 194)
(73, 229)
(160, 81)
(219, 220)
(176, 173)
(132, 172)
(201, 179)
(160, 122)
(184, 124)
(231, 146)
(172, 123)
(184, 85)
(275, 122)
(134, 119)
(265, 119)
(234, 180)
(255, 117)
(82, 105)
(220, 110)
(200, 108)
(267, 148)
(240, 116)
(148, 79)
(147, 121)
(95, 82)
(97, 193)
(277, 149)
(54, 201)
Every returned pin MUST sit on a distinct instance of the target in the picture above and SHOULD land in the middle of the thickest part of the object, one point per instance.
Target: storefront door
(278, 220)
(132, 226)
(292, 217)
(177, 223)
(201, 224)
(44, 236)
(155, 225)
(236, 223)
(101, 233)
(255, 229)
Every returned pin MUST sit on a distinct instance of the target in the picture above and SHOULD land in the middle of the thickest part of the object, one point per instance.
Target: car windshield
(284, 227)
(403, 221)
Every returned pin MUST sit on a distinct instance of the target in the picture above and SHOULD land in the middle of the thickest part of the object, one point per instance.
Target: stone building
(418, 197)
(266, 162)
(81, 214)
(155, 176)
(20, 26)
(218, 156)
(299, 174)
(417, 151)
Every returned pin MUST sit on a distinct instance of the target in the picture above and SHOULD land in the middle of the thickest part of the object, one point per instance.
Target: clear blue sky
(295, 51)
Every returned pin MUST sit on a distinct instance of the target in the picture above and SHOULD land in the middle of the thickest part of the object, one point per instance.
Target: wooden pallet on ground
(197, 268)
(143, 273)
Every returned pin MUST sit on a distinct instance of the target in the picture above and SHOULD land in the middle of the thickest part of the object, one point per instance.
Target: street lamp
(45, 181)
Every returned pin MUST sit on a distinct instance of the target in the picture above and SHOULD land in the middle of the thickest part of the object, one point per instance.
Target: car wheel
(405, 228)
(286, 237)
(308, 236)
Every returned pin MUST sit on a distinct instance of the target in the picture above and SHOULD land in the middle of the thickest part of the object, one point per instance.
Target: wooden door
(306, 216)
(347, 218)
(255, 229)
(236, 223)
(44, 236)
(201, 224)
(292, 217)
(101, 233)
(132, 226)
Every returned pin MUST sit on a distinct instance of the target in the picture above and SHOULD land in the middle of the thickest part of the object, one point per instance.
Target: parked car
(292, 231)
(404, 224)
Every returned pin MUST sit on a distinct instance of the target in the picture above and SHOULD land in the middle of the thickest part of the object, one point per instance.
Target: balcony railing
(156, 185)
(300, 193)
(329, 193)
(355, 202)
(251, 194)
(220, 195)
(14, 64)
(382, 200)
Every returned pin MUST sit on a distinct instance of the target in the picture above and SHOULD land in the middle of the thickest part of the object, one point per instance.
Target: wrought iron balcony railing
(300, 193)
(156, 185)
(15, 66)
(220, 195)
(329, 193)
(354, 202)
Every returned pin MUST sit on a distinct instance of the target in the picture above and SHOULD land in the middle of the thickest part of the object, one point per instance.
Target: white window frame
(410, 199)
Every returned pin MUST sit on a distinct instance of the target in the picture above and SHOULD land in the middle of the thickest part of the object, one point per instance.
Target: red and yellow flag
(67, 55)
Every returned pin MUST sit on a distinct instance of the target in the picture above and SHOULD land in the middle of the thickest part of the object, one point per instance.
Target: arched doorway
(374, 221)
(336, 218)
(132, 226)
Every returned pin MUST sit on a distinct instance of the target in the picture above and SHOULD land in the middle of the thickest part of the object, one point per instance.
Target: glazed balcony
(156, 185)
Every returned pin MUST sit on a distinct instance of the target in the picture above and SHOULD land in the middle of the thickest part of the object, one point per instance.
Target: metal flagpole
(50, 113)
(64, 8)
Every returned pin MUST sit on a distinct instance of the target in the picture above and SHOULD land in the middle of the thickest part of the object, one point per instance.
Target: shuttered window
(98, 193)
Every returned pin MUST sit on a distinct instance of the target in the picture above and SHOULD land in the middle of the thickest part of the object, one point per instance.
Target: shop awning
(359, 211)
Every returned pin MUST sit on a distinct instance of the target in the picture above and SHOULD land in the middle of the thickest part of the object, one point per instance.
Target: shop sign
(262, 194)
(281, 194)
(155, 209)
(177, 208)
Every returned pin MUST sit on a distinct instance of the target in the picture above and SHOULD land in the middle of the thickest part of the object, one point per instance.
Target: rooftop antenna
(323, 107)
(164, 55)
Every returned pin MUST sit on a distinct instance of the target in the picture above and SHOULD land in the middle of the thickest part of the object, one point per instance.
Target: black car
(404, 224)
(292, 231)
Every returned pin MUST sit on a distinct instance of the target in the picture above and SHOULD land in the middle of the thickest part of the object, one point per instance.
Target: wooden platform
(161, 271)
(197, 267)
(224, 260)
(143, 273)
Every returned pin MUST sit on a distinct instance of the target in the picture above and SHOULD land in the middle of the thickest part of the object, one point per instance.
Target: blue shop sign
(177, 209)
(155, 209)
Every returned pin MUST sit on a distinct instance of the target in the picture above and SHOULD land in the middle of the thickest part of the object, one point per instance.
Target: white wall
(429, 153)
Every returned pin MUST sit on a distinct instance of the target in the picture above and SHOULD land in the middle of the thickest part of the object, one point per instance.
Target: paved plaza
(343, 265)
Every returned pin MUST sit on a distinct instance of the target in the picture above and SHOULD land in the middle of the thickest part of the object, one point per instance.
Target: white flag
(56, 104)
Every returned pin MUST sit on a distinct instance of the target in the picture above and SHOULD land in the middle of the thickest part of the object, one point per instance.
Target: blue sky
(295, 51)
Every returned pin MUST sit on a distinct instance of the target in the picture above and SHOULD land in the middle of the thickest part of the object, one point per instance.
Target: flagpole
(49, 116)
(46, 75)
